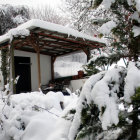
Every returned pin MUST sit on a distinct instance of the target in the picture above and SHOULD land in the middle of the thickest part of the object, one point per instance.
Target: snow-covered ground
(32, 116)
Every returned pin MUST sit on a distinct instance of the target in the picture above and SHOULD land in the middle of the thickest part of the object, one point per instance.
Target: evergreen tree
(102, 61)
(119, 22)
(10, 17)
(124, 37)
(125, 16)
(104, 111)
(81, 15)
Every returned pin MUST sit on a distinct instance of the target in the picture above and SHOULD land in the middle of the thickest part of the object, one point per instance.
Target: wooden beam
(55, 33)
(22, 45)
(84, 43)
(61, 47)
(64, 39)
(33, 51)
(61, 44)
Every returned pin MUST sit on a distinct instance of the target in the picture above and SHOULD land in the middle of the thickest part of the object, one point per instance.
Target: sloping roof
(53, 39)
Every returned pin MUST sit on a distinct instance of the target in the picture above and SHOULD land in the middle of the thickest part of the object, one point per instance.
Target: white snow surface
(31, 24)
(132, 81)
(15, 32)
(110, 135)
(129, 2)
(136, 16)
(85, 94)
(107, 27)
(136, 31)
(138, 5)
(63, 125)
(107, 3)
(32, 116)
(103, 98)
(96, 90)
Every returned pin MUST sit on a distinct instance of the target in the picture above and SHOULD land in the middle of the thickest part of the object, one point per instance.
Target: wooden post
(87, 52)
(39, 71)
(88, 55)
(12, 67)
(52, 66)
(35, 45)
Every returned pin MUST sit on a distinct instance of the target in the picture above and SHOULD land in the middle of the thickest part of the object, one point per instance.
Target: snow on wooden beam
(64, 45)
(67, 40)
(58, 47)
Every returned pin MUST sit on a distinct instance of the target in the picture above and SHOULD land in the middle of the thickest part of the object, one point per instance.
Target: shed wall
(45, 65)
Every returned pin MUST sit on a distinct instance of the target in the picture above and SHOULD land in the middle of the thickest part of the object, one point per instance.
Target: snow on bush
(101, 103)
(85, 94)
(63, 125)
(107, 3)
(31, 116)
(107, 27)
(101, 89)
(136, 31)
(138, 5)
(132, 80)
(107, 96)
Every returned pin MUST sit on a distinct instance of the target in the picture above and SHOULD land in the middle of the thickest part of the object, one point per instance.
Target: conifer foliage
(109, 103)
(119, 22)
(125, 34)
(109, 106)
(10, 17)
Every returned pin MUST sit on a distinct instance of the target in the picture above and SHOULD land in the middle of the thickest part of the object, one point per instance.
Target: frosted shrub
(107, 102)
(23, 112)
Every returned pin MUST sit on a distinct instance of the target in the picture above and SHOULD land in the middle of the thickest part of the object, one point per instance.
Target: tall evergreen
(10, 17)
(124, 38)
(124, 42)
(125, 14)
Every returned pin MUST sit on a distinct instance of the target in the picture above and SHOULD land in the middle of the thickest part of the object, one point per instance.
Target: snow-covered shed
(36, 44)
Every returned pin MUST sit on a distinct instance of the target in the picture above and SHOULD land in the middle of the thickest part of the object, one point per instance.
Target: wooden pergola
(52, 43)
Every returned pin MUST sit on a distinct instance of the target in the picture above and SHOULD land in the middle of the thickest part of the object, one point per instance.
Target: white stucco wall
(45, 65)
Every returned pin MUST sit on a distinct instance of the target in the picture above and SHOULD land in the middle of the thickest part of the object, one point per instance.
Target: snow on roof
(31, 24)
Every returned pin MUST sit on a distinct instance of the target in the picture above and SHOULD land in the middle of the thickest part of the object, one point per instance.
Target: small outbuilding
(34, 47)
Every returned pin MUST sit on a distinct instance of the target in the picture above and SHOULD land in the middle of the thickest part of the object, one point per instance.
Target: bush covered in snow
(31, 116)
(108, 107)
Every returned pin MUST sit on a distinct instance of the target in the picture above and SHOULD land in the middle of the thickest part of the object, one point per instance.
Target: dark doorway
(23, 70)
